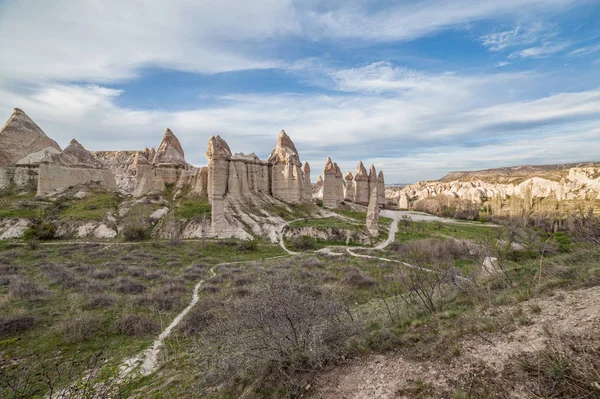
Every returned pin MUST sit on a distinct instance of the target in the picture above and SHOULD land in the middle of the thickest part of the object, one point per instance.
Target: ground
(393, 376)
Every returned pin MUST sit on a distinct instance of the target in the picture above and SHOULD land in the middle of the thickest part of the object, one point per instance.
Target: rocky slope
(558, 182)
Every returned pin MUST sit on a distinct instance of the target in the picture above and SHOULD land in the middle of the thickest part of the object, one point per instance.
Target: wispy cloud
(544, 50)
(585, 50)
(521, 35)
(501, 64)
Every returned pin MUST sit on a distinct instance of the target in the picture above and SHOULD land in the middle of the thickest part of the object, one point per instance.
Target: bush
(80, 327)
(303, 243)
(135, 233)
(127, 286)
(136, 325)
(40, 231)
(285, 330)
(16, 323)
(247, 246)
(563, 241)
(21, 288)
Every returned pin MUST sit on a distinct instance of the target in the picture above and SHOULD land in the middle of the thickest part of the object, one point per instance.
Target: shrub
(247, 246)
(136, 325)
(80, 327)
(127, 286)
(101, 301)
(285, 329)
(135, 233)
(16, 323)
(40, 231)
(303, 243)
(21, 288)
(563, 241)
(356, 278)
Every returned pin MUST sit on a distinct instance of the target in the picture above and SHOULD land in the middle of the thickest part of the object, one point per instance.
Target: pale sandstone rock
(329, 185)
(373, 214)
(381, 188)
(10, 228)
(20, 136)
(361, 185)
(218, 155)
(159, 213)
(339, 184)
(103, 231)
(349, 187)
(75, 165)
(403, 201)
(306, 183)
(35, 158)
(169, 151)
(286, 172)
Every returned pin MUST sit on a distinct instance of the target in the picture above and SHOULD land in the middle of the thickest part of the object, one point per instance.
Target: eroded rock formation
(361, 185)
(330, 199)
(75, 165)
(373, 213)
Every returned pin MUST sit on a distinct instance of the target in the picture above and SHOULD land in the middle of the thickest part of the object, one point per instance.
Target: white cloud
(545, 50)
(110, 40)
(501, 64)
(521, 35)
(585, 50)
(405, 124)
(409, 20)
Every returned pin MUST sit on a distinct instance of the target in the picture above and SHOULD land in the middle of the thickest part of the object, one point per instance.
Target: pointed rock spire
(169, 151)
(338, 171)
(306, 167)
(20, 136)
(348, 176)
(218, 148)
(361, 172)
(285, 151)
(329, 167)
(75, 155)
(373, 174)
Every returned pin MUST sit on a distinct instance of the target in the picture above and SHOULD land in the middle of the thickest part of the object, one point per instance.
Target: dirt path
(392, 376)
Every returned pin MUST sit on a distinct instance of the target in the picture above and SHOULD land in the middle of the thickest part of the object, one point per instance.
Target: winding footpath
(146, 362)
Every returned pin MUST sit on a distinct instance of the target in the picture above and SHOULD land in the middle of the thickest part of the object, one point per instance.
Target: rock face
(75, 165)
(307, 185)
(403, 201)
(361, 185)
(503, 188)
(233, 178)
(286, 173)
(330, 192)
(22, 146)
(349, 187)
(339, 184)
(373, 213)
(381, 188)
(19, 137)
(169, 151)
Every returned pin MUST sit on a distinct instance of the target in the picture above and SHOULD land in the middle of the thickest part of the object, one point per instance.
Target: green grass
(190, 209)
(94, 207)
(330, 222)
(421, 230)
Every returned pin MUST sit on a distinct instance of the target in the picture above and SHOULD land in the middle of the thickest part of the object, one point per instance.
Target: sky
(419, 88)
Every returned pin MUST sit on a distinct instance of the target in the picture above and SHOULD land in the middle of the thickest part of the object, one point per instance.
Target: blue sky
(419, 88)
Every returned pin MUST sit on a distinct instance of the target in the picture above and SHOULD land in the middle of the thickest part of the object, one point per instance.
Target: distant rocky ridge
(236, 185)
(566, 182)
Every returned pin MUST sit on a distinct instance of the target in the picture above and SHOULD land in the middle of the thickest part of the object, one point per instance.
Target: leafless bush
(210, 288)
(79, 327)
(195, 272)
(137, 272)
(356, 278)
(242, 280)
(15, 323)
(201, 317)
(23, 288)
(136, 325)
(431, 280)
(284, 328)
(568, 367)
(60, 275)
(128, 286)
(101, 301)
(313, 263)
(104, 274)
(166, 297)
